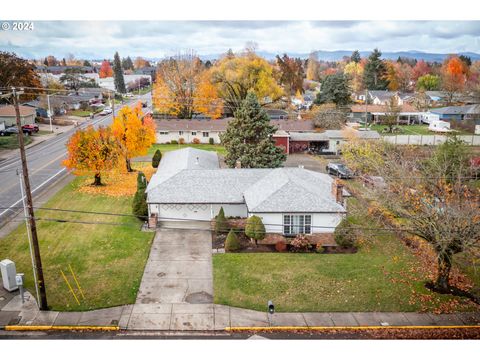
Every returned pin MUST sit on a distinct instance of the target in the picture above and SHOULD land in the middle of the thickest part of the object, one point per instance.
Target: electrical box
(9, 273)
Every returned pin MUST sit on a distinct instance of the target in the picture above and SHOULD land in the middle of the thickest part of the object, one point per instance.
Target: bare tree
(434, 198)
(392, 113)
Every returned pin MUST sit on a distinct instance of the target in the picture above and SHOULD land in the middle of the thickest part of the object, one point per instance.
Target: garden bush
(231, 242)
(254, 228)
(211, 141)
(221, 223)
(300, 244)
(345, 234)
(181, 141)
(174, 142)
(281, 246)
(156, 158)
(195, 141)
(139, 204)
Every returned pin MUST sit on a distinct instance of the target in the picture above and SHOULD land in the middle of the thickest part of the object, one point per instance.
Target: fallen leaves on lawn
(117, 183)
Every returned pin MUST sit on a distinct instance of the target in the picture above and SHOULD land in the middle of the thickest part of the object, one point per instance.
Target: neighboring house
(8, 116)
(148, 70)
(108, 83)
(292, 135)
(190, 186)
(407, 115)
(464, 117)
(40, 111)
(60, 70)
(277, 114)
(439, 126)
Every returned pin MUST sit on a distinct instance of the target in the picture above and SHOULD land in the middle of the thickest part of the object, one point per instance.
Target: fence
(473, 140)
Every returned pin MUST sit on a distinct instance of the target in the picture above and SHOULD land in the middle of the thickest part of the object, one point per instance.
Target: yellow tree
(92, 151)
(134, 133)
(234, 76)
(183, 88)
(354, 70)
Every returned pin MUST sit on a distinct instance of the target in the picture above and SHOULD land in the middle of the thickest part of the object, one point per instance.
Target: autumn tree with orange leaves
(183, 88)
(105, 70)
(92, 151)
(454, 74)
(134, 133)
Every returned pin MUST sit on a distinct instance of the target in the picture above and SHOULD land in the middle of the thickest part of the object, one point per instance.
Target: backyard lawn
(169, 147)
(382, 276)
(416, 129)
(108, 260)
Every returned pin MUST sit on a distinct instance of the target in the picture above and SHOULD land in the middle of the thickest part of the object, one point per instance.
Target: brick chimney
(238, 164)
(337, 191)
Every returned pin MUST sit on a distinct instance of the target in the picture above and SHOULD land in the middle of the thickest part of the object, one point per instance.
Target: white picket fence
(429, 139)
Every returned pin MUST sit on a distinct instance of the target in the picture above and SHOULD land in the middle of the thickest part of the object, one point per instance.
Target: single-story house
(40, 111)
(465, 117)
(8, 116)
(292, 135)
(407, 115)
(189, 185)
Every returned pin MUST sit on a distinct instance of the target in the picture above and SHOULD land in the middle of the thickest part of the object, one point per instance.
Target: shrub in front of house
(181, 141)
(281, 246)
(211, 141)
(174, 142)
(345, 234)
(221, 223)
(231, 242)
(156, 158)
(300, 244)
(139, 204)
(195, 141)
(254, 229)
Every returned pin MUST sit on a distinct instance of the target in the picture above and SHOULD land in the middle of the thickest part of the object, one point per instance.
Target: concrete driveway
(176, 292)
(309, 162)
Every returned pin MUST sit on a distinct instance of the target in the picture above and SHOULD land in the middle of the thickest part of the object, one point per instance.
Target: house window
(205, 134)
(297, 224)
(194, 133)
(163, 132)
(180, 133)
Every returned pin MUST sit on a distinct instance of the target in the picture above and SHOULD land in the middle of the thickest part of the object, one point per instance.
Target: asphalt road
(44, 165)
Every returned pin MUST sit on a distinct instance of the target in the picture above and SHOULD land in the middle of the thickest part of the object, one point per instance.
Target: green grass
(11, 142)
(108, 260)
(411, 130)
(379, 277)
(169, 147)
(80, 113)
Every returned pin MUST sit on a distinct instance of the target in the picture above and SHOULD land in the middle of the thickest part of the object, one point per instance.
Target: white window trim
(291, 225)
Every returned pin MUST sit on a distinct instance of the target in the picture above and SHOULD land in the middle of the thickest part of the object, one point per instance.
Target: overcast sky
(156, 39)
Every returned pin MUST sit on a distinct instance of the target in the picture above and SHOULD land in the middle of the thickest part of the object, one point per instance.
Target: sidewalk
(209, 317)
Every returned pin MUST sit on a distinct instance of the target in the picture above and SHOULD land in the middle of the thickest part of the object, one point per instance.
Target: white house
(189, 185)
(439, 126)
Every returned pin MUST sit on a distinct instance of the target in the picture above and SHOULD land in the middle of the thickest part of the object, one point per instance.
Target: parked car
(339, 170)
(30, 127)
(106, 111)
(12, 130)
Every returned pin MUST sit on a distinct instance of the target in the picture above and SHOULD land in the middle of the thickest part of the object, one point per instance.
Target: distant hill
(339, 54)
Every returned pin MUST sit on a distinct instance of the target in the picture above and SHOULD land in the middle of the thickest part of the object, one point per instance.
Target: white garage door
(185, 212)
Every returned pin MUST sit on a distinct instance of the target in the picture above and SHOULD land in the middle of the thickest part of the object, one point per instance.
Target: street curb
(59, 328)
(323, 328)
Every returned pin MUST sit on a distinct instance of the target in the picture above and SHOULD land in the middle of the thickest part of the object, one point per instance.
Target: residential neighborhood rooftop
(9, 110)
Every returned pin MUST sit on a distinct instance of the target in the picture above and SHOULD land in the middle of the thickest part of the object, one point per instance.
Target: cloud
(100, 39)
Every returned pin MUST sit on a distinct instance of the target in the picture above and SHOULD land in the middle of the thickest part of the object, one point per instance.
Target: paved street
(44, 162)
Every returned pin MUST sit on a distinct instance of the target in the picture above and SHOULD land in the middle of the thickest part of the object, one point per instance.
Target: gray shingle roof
(456, 110)
(181, 180)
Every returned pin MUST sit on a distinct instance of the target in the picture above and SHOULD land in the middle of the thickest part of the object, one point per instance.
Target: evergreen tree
(355, 57)
(127, 63)
(45, 62)
(156, 158)
(86, 63)
(335, 89)
(118, 74)
(254, 228)
(374, 72)
(231, 242)
(139, 205)
(221, 223)
(248, 138)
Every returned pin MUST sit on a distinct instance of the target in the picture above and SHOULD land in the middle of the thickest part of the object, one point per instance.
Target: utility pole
(31, 216)
(49, 113)
(366, 107)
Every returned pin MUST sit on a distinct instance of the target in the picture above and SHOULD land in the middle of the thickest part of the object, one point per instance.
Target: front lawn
(416, 129)
(11, 142)
(169, 147)
(108, 260)
(382, 276)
